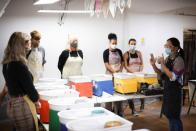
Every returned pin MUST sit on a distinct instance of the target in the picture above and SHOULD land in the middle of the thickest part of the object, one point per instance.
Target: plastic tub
(102, 83)
(142, 130)
(60, 104)
(125, 83)
(82, 84)
(69, 115)
(46, 86)
(52, 80)
(149, 78)
(97, 124)
(45, 96)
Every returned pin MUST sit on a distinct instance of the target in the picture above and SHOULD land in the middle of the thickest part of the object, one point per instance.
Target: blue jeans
(175, 124)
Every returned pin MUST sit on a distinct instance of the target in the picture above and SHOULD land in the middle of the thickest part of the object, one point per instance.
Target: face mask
(168, 51)
(132, 47)
(113, 46)
(74, 45)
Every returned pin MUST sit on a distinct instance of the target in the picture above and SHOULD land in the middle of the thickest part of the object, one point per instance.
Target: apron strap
(33, 111)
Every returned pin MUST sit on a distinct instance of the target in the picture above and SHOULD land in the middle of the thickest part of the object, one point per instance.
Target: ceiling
(164, 6)
(143, 6)
(138, 6)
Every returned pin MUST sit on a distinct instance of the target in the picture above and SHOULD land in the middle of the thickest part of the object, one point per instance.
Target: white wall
(92, 33)
(156, 29)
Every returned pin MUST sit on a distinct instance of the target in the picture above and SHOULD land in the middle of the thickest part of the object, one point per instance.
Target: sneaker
(135, 113)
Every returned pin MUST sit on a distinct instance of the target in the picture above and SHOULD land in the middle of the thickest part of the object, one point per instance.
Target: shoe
(135, 113)
(142, 107)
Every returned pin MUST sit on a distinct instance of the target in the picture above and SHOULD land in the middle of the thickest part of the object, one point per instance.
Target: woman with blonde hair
(19, 81)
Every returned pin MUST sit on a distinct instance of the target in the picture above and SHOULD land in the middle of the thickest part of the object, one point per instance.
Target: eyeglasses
(37, 38)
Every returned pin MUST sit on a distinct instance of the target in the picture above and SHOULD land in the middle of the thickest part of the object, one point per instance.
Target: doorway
(189, 46)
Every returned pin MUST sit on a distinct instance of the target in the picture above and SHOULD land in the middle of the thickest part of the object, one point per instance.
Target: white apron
(114, 61)
(35, 64)
(135, 63)
(72, 67)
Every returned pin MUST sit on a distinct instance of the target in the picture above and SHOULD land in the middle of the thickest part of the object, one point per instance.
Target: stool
(185, 90)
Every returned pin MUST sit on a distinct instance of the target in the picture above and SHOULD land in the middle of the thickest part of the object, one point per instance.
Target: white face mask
(132, 47)
(113, 46)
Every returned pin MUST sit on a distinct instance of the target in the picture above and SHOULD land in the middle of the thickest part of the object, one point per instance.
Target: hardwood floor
(149, 118)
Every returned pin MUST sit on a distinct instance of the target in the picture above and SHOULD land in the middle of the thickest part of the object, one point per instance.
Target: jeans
(175, 124)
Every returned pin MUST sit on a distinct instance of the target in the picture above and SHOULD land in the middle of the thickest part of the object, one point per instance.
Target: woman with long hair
(19, 81)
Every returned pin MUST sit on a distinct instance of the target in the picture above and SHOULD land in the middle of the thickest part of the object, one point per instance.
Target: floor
(149, 118)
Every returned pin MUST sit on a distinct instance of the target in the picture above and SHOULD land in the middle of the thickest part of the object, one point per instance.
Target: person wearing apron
(113, 61)
(19, 82)
(133, 63)
(171, 75)
(36, 57)
(71, 60)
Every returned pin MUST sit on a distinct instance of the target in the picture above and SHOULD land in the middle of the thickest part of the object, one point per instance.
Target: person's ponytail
(181, 52)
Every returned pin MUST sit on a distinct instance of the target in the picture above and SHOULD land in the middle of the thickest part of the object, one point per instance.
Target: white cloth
(72, 67)
(113, 7)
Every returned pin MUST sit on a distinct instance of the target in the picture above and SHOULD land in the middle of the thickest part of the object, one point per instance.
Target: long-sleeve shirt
(19, 80)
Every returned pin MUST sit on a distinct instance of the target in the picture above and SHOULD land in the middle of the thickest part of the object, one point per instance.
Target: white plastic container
(68, 103)
(97, 124)
(51, 86)
(124, 75)
(51, 94)
(145, 75)
(52, 80)
(45, 96)
(101, 77)
(69, 115)
(79, 79)
(142, 130)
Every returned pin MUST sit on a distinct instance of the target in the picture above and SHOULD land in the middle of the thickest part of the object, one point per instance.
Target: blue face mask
(168, 51)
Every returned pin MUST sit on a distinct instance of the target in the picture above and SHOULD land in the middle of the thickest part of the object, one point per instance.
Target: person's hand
(152, 59)
(161, 59)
